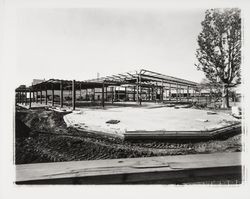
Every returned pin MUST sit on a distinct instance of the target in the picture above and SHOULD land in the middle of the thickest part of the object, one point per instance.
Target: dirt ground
(42, 136)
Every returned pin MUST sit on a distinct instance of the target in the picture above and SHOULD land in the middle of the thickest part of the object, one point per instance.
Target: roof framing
(145, 78)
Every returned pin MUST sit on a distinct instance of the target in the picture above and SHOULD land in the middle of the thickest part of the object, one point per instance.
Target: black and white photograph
(106, 94)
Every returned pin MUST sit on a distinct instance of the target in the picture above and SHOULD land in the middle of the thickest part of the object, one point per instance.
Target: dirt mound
(42, 120)
(22, 130)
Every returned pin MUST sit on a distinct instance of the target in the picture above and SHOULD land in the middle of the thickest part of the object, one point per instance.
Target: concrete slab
(143, 119)
(61, 110)
(33, 105)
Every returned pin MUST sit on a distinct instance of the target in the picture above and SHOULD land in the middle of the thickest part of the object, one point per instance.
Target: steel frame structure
(136, 81)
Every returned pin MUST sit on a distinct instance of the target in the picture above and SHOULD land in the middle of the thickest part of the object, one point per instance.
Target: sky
(78, 43)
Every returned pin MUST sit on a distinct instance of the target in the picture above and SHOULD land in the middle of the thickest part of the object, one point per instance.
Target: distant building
(22, 86)
(37, 81)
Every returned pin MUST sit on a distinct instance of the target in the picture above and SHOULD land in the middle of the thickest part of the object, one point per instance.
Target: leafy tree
(213, 88)
(219, 52)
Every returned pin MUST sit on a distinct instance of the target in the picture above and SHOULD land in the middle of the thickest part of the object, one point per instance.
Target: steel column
(152, 93)
(25, 97)
(134, 94)
(41, 93)
(137, 89)
(170, 94)
(81, 91)
(73, 95)
(140, 98)
(162, 94)
(33, 95)
(112, 94)
(177, 93)
(61, 94)
(106, 90)
(193, 95)
(36, 96)
(53, 94)
(125, 93)
(93, 94)
(103, 94)
(162, 91)
(30, 99)
(46, 96)
(148, 94)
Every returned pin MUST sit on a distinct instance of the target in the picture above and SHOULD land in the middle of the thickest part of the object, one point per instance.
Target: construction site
(125, 118)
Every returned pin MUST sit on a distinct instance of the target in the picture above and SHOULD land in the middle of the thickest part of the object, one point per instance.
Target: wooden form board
(131, 170)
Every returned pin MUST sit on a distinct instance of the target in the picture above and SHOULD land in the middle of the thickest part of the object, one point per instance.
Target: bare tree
(219, 52)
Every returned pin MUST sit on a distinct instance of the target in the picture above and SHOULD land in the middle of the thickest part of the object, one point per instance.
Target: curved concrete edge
(209, 134)
(120, 136)
(171, 135)
(160, 134)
